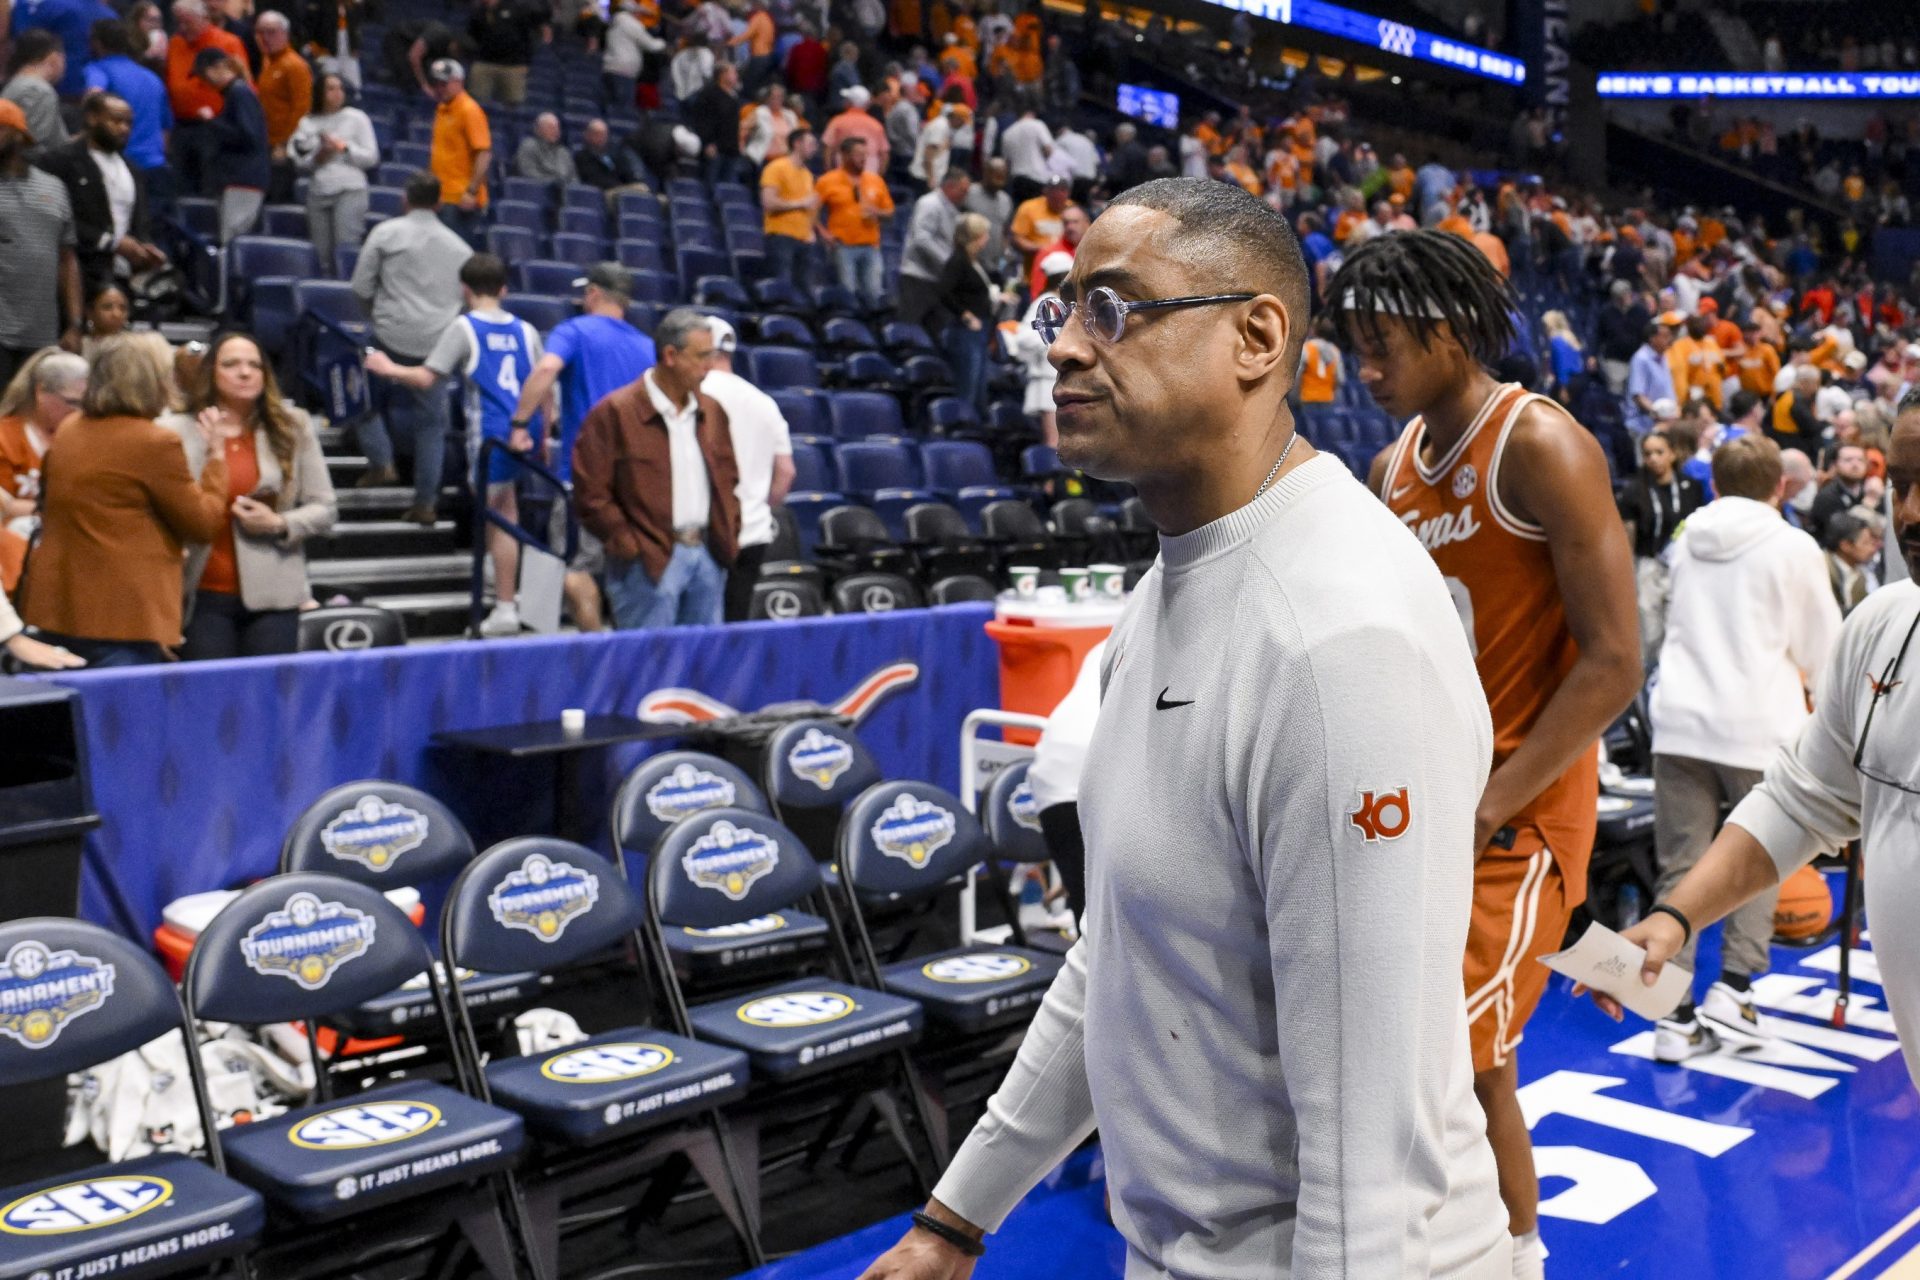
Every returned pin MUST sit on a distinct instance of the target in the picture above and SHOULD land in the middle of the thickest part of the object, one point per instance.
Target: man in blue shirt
(71, 21)
(1648, 378)
(594, 353)
(114, 70)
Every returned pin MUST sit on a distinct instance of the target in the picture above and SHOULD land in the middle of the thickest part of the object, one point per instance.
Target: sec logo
(606, 1063)
(796, 1009)
(992, 967)
(83, 1206)
(745, 929)
(372, 1124)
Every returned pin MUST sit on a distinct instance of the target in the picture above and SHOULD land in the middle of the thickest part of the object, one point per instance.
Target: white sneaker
(1733, 1018)
(1676, 1041)
(503, 621)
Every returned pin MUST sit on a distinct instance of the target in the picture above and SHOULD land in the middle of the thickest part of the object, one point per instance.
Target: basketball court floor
(1799, 1164)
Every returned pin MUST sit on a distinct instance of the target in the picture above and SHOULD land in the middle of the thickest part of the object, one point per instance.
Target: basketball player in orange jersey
(1510, 496)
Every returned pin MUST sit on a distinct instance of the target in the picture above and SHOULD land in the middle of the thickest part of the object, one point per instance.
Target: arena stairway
(374, 557)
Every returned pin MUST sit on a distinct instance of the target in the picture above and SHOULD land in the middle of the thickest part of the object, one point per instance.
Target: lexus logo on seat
(782, 605)
(347, 634)
(1396, 37)
(878, 600)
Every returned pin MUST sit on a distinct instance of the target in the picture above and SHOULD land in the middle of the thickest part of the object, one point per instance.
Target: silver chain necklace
(1278, 463)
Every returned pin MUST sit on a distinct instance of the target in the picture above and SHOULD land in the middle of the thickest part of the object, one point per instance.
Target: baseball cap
(1913, 351)
(210, 57)
(1664, 407)
(610, 276)
(857, 96)
(12, 117)
(1057, 263)
(445, 69)
(723, 335)
(1058, 180)
(1709, 307)
(1671, 318)
(1856, 360)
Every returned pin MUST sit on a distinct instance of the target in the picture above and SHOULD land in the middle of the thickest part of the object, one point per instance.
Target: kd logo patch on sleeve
(1382, 815)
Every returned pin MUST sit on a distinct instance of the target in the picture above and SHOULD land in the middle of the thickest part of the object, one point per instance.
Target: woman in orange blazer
(118, 508)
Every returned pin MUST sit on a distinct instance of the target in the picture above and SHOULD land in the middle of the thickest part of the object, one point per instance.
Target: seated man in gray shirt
(1264, 1015)
(542, 155)
(408, 279)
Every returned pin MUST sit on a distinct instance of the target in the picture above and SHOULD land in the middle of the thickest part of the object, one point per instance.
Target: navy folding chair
(814, 1036)
(811, 770)
(621, 1102)
(76, 996)
(395, 1165)
(1011, 818)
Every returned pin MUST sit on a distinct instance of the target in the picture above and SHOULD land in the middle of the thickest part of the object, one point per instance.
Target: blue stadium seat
(1040, 462)
(581, 250)
(950, 415)
(831, 299)
(639, 204)
(261, 273)
(690, 189)
(813, 471)
(749, 259)
(786, 331)
(922, 374)
(804, 410)
(772, 368)
(843, 334)
(741, 215)
(639, 254)
(544, 275)
(870, 369)
(332, 299)
(735, 195)
(720, 291)
(694, 261)
(520, 213)
(954, 468)
(806, 509)
(697, 213)
(90, 1220)
(585, 222)
(782, 295)
(579, 195)
(633, 225)
(902, 340)
(656, 288)
(512, 244)
(855, 415)
(542, 311)
(868, 466)
(388, 202)
(415, 155)
(393, 174)
(284, 220)
(345, 258)
(643, 316)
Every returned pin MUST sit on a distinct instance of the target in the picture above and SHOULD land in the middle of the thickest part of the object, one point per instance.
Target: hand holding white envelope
(1609, 964)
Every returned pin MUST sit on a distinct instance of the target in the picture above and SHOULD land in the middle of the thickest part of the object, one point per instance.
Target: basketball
(1805, 906)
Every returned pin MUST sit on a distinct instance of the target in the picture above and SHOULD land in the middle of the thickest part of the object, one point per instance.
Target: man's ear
(1265, 337)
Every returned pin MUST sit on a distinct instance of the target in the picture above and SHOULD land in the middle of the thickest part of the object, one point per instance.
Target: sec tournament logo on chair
(1024, 808)
(990, 967)
(84, 1206)
(374, 833)
(542, 896)
(730, 859)
(607, 1063)
(374, 1124)
(796, 1009)
(819, 758)
(307, 940)
(745, 929)
(41, 991)
(688, 790)
(913, 830)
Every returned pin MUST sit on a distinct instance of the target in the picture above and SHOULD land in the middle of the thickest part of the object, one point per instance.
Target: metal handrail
(485, 515)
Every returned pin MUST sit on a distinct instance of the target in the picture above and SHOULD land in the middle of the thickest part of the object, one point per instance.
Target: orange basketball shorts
(1520, 913)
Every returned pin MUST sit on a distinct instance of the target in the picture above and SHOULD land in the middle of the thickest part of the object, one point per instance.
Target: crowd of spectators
(959, 133)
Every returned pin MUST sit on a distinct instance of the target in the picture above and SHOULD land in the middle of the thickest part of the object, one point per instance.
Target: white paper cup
(1109, 581)
(1077, 583)
(573, 720)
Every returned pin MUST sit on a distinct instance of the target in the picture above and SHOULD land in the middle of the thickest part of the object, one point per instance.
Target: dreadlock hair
(1426, 279)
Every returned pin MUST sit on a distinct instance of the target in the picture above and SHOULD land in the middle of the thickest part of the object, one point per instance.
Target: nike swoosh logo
(1401, 492)
(1161, 703)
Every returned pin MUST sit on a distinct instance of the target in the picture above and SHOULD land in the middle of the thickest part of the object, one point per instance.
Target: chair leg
(869, 1121)
(838, 1117)
(543, 1215)
(888, 1108)
(928, 1109)
(486, 1230)
(712, 1159)
(661, 1189)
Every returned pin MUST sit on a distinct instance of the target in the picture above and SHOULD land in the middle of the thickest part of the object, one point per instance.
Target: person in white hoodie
(1751, 620)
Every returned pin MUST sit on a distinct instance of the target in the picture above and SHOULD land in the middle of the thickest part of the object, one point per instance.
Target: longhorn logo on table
(731, 859)
(688, 790)
(84, 1206)
(913, 830)
(374, 833)
(42, 990)
(542, 896)
(307, 940)
(820, 758)
(690, 706)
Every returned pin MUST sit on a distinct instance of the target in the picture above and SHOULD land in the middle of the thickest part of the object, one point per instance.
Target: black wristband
(1666, 909)
(952, 1235)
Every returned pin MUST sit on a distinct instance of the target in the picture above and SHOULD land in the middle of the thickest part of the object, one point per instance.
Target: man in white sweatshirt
(1264, 1017)
(1750, 622)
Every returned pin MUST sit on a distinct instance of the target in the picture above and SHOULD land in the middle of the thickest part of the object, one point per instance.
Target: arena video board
(1778, 85)
(1151, 105)
(1385, 35)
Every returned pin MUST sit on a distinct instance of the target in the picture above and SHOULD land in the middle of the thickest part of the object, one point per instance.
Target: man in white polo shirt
(765, 454)
(1264, 1016)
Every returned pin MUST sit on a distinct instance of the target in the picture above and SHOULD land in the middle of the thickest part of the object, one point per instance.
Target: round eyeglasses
(1103, 313)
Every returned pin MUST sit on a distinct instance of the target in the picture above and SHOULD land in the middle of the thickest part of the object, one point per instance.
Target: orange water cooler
(1042, 644)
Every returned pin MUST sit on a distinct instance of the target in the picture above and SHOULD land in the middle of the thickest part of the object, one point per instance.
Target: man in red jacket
(655, 480)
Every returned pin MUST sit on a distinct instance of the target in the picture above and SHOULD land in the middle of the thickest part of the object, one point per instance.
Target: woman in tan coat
(118, 508)
(245, 588)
